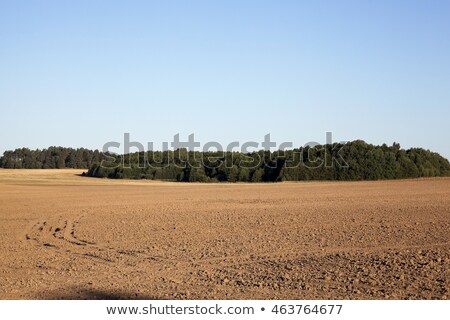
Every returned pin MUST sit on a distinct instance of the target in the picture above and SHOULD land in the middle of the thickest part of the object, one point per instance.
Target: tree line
(356, 160)
(51, 158)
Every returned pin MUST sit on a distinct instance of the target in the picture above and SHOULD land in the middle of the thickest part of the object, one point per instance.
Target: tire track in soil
(60, 236)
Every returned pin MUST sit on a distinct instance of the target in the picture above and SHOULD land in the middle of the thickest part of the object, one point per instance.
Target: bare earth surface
(65, 236)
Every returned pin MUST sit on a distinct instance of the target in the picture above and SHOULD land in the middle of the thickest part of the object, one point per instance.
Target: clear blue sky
(80, 73)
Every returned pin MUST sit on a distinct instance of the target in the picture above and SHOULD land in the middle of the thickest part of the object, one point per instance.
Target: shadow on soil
(84, 174)
(92, 294)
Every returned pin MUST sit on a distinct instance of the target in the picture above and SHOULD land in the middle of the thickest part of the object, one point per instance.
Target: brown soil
(64, 236)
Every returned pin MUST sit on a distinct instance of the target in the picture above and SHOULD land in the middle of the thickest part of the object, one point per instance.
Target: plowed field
(64, 236)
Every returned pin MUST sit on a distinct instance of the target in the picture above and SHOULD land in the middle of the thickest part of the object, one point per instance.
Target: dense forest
(355, 160)
(51, 158)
